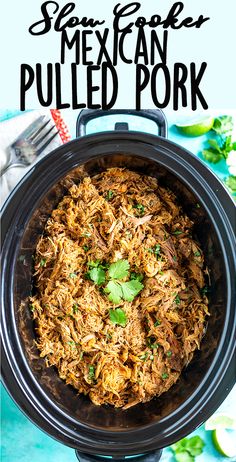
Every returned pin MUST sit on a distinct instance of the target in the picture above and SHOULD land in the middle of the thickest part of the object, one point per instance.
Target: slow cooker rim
(89, 136)
(152, 140)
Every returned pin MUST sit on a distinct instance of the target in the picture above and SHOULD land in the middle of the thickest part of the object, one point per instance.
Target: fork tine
(47, 142)
(36, 132)
(39, 140)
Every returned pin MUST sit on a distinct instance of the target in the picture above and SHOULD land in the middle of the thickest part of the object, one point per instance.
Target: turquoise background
(23, 441)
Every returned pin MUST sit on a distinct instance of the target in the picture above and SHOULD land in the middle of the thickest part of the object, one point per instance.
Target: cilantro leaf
(109, 195)
(140, 208)
(91, 372)
(72, 275)
(214, 144)
(93, 264)
(184, 457)
(194, 445)
(130, 289)
(118, 316)
(119, 269)
(186, 449)
(223, 124)
(114, 290)
(177, 232)
(177, 300)
(231, 182)
(211, 155)
(227, 146)
(138, 276)
(97, 275)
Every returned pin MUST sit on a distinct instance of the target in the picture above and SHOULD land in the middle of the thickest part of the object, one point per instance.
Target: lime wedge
(225, 442)
(196, 127)
(220, 421)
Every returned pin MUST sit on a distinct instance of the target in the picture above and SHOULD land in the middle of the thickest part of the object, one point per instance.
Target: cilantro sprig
(186, 449)
(220, 146)
(116, 288)
(223, 124)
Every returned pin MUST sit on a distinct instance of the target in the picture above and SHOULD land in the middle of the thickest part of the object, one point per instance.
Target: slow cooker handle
(151, 457)
(153, 114)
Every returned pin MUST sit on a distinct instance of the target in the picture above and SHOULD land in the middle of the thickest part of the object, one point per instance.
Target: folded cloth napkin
(10, 129)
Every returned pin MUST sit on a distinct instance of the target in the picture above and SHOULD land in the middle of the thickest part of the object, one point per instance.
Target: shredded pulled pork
(115, 215)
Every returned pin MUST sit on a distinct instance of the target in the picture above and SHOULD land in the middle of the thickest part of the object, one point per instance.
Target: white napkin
(9, 131)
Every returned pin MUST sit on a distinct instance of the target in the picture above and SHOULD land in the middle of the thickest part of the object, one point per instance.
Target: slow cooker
(101, 432)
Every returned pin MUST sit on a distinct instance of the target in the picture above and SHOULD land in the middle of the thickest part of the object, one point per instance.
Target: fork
(29, 144)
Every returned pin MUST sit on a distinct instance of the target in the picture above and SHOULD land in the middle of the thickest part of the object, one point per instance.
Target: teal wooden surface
(21, 440)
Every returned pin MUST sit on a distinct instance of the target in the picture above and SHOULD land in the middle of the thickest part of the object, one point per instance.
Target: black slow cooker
(141, 431)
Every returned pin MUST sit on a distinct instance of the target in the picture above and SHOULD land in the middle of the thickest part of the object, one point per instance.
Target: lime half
(196, 127)
(220, 421)
(225, 442)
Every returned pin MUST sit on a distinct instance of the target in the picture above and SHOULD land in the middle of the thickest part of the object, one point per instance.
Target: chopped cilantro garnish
(75, 308)
(157, 323)
(43, 262)
(22, 258)
(177, 232)
(154, 345)
(31, 307)
(93, 264)
(138, 276)
(91, 372)
(169, 354)
(204, 290)
(109, 195)
(174, 258)
(156, 249)
(72, 275)
(118, 316)
(165, 376)
(86, 234)
(177, 300)
(140, 208)
(197, 254)
(86, 248)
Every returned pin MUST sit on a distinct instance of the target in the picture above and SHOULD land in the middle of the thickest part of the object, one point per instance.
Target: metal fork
(29, 144)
